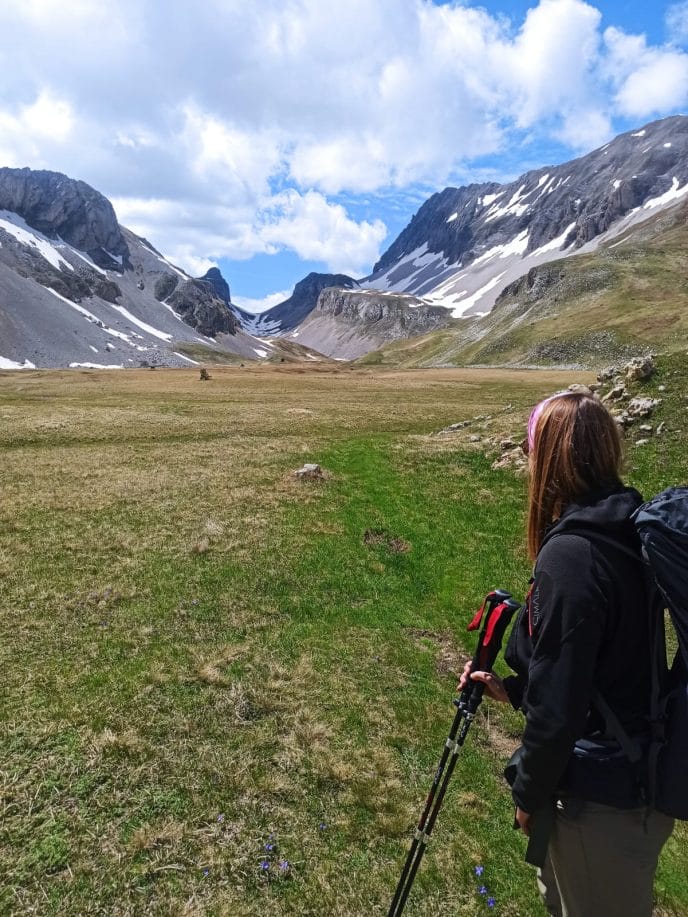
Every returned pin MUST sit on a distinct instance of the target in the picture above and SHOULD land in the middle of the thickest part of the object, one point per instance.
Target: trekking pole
(498, 609)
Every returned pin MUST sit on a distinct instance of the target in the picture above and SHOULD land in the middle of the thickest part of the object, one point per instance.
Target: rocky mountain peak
(213, 276)
(288, 314)
(465, 244)
(313, 284)
(61, 207)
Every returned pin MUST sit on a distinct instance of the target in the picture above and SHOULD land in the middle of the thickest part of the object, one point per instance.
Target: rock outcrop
(60, 207)
(217, 282)
(199, 305)
(349, 323)
(402, 316)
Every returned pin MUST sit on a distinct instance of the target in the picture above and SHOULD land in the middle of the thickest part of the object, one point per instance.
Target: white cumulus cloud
(320, 231)
(676, 20)
(649, 81)
(255, 306)
(550, 63)
(225, 129)
(34, 130)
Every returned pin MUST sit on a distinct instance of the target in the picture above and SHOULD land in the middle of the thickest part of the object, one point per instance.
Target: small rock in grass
(616, 393)
(606, 375)
(639, 368)
(643, 407)
(311, 471)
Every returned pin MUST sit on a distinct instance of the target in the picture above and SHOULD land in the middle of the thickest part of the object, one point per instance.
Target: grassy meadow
(219, 697)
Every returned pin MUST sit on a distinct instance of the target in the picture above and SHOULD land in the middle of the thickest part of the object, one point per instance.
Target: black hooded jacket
(585, 628)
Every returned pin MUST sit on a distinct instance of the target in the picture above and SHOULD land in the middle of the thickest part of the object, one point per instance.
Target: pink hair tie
(535, 416)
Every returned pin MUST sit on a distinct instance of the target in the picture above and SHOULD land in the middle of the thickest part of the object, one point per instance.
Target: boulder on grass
(640, 368)
(310, 472)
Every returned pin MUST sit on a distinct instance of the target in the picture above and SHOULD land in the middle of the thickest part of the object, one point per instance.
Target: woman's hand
(494, 686)
(523, 819)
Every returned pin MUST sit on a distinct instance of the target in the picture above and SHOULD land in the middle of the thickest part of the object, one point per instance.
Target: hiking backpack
(662, 524)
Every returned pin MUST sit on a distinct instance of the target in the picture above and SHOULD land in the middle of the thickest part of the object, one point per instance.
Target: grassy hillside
(280, 350)
(629, 296)
(219, 697)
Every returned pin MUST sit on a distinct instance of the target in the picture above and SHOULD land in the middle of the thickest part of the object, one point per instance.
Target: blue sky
(265, 274)
(274, 139)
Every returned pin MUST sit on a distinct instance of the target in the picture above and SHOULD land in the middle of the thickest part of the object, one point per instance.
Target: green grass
(202, 655)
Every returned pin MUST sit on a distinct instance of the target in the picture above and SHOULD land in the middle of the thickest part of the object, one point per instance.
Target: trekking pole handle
(500, 608)
(491, 600)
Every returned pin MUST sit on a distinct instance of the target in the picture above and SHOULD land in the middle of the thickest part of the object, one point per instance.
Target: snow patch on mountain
(84, 257)
(144, 326)
(259, 324)
(13, 224)
(187, 359)
(465, 304)
(555, 244)
(516, 247)
(513, 208)
(96, 365)
(12, 364)
(673, 194)
(91, 317)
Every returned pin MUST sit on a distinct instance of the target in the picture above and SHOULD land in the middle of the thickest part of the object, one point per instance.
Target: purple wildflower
(322, 826)
(220, 818)
(284, 865)
(479, 870)
(491, 902)
(269, 847)
(482, 890)
(206, 872)
(265, 865)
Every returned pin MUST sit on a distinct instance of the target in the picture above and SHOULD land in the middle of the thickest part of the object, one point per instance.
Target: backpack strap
(658, 697)
(631, 747)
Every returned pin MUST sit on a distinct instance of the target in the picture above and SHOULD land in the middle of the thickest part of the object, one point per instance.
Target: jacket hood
(608, 510)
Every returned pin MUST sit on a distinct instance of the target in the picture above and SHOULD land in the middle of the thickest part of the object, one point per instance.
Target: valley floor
(225, 689)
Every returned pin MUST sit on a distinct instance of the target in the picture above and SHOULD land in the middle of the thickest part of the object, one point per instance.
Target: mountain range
(466, 246)
(78, 289)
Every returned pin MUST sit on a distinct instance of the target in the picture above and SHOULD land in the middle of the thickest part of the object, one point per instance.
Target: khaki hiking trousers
(602, 861)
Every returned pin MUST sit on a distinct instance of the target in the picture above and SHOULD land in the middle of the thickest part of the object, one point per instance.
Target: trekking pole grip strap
(495, 615)
(497, 621)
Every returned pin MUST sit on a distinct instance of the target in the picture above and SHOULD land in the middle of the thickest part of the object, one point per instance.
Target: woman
(581, 645)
